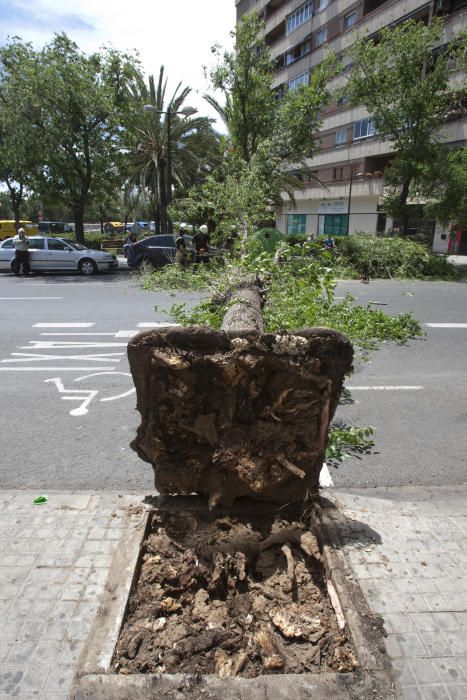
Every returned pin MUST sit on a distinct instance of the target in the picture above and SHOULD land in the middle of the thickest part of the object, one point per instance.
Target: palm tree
(193, 144)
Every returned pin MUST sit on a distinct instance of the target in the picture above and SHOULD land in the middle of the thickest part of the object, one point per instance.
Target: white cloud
(176, 33)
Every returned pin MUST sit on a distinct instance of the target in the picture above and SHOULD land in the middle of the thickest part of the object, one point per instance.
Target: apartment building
(351, 159)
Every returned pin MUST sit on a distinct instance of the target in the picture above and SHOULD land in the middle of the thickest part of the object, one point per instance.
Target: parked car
(59, 254)
(8, 228)
(160, 250)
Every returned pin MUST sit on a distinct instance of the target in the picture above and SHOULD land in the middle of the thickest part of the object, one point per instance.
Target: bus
(8, 228)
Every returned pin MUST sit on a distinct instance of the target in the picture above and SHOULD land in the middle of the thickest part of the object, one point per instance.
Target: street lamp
(186, 112)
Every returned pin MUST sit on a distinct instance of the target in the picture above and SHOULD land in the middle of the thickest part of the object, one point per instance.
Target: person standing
(181, 257)
(130, 239)
(201, 241)
(21, 245)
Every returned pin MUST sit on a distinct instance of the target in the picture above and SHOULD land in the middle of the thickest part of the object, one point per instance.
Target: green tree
(255, 115)
(194, 145)
(448, 191)
(402, 78)
(19, 153)
(83, 112)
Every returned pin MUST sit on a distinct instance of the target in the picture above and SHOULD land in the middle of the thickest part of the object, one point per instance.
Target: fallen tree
(237, 412)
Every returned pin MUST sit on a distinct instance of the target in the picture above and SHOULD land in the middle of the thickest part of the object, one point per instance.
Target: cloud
(177, 34)
(22, 17)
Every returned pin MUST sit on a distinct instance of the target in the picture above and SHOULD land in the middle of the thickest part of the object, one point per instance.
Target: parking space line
(28, 298)
(156, 324)
(63, 325)
(56, 369)
(385, 388)
(446, 325)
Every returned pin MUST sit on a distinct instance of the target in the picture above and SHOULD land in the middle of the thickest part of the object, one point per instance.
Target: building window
(302, 79)
(299, 16)
(338, 174)
(296, 223)
(322, 5)
(350, 20)
(341, 137)
(363, 129)
(298, 52)
(321, 36)
(342, 101)
(332, 225)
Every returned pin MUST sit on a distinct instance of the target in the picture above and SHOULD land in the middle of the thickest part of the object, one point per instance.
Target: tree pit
(231, 595)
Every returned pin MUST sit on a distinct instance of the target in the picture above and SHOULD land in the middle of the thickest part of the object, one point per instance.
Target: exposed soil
(231, 596)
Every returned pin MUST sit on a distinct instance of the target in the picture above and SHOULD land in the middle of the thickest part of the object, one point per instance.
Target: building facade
(352, 158)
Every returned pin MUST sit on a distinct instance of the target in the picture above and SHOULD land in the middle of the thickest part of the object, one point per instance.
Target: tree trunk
(162, 192)
(78, 217)
(15, 205)
(237, 412)
(101, 218)
(244, 311)
(403, 206)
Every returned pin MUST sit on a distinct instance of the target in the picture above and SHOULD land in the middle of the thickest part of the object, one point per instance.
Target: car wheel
(87, 267)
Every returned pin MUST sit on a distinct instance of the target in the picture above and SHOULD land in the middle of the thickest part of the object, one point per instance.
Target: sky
(178, 34)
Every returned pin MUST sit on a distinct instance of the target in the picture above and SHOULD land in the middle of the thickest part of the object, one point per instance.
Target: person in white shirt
(21, 245)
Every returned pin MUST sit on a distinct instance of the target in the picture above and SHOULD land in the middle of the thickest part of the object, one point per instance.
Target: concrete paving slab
(52, 577)
(422, 596)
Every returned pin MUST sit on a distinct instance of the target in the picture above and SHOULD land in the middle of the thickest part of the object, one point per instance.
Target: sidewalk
(415, 577)
(55, 560)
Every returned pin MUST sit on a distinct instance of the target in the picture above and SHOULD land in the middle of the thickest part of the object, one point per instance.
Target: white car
(48, 254)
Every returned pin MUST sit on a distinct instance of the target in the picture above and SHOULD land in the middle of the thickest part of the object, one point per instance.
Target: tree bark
(244, 311)
(162, 199)
(78, 216)
(403, 205)
(237, 412)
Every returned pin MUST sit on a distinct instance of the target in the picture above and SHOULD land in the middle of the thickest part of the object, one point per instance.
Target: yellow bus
(8, 228)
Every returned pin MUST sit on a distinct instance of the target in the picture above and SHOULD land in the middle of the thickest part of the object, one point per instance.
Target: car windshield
(74, 244)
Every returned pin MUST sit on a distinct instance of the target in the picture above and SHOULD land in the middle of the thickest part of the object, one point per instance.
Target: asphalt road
(420, 434)
(68, 410)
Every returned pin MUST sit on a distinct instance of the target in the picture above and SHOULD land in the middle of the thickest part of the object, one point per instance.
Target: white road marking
(126, 334)
(446, 325)
(85, 396)
(385, 388)
(63, 325)
(156, 324)
(27, 298)
(87, 334)
(55, 369)
(68, 344)
(39, 357)
(110, 398)
(325, 480)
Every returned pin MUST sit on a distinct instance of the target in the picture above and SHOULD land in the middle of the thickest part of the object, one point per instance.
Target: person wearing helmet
(201, 241)
(181, 257)
(21, 245)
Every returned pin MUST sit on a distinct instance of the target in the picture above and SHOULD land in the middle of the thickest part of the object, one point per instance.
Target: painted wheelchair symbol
(86, 396)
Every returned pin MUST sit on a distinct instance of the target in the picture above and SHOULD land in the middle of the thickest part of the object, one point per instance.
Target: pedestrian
(21, 245)
(201, 241)
(130, 239)
(329, 242)
(181, 257)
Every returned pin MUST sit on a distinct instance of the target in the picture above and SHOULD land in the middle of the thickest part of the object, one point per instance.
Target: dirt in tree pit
(231, 596)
